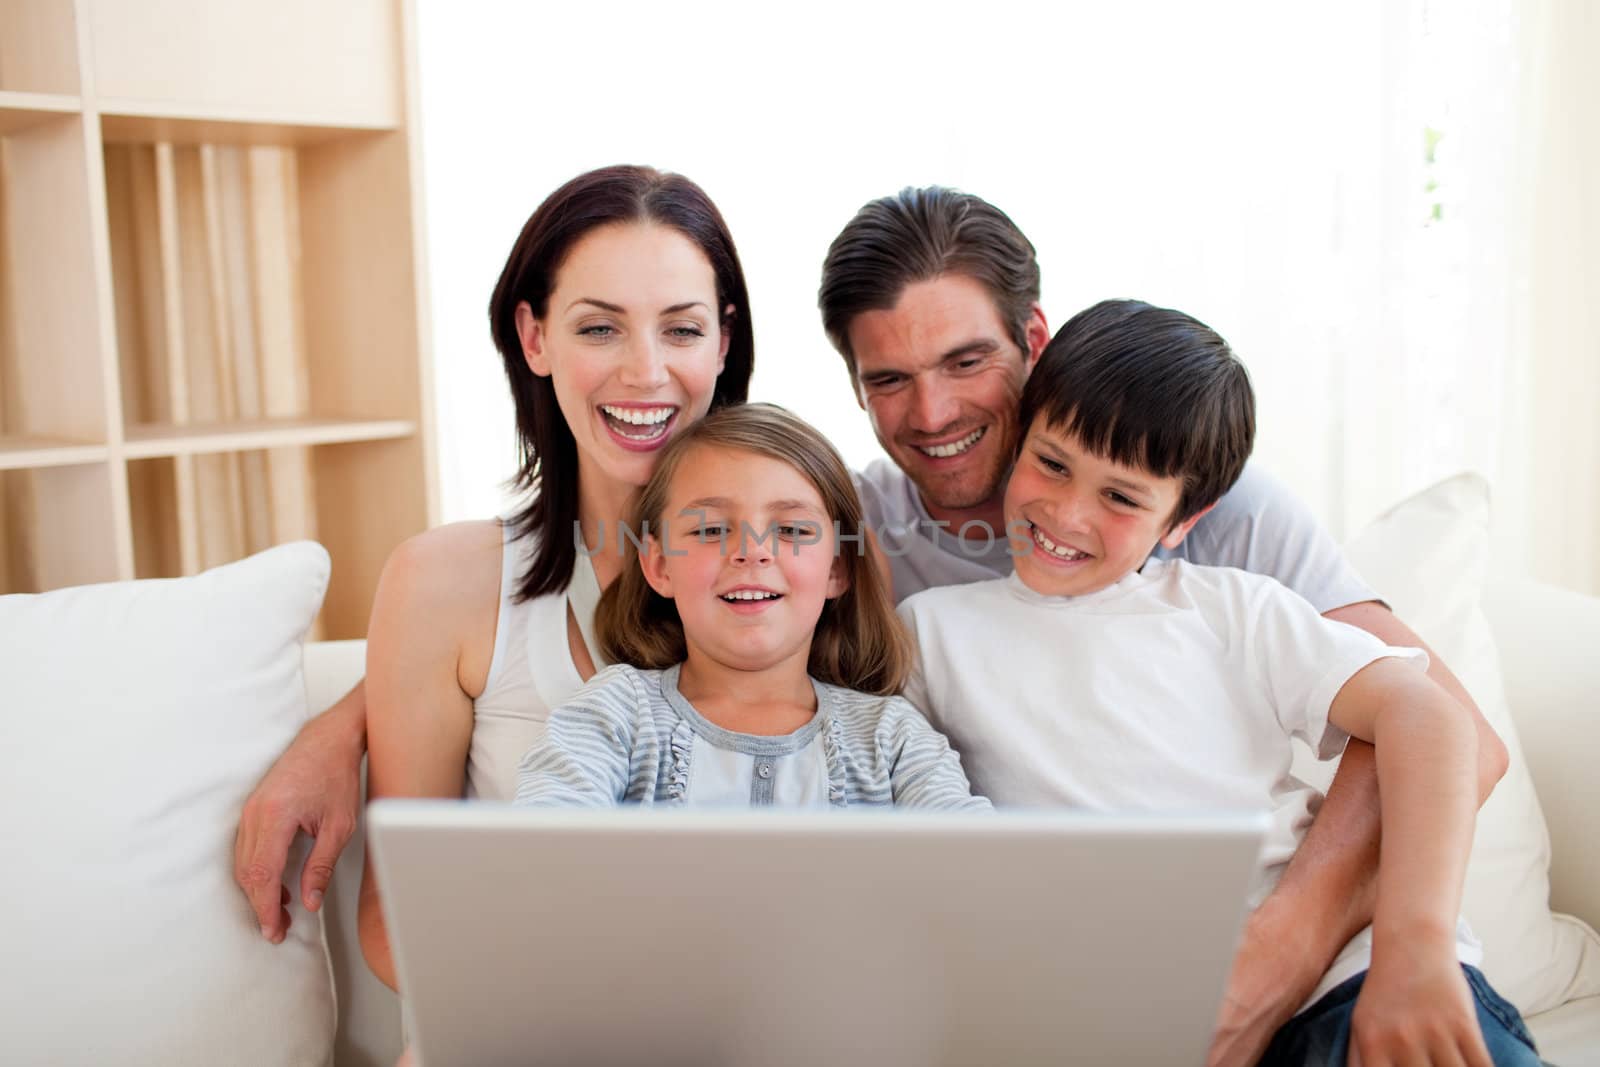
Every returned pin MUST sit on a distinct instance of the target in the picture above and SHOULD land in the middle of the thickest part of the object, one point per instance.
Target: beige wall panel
(152, 492)
(305, 60)
(368, 500)
(72, 543)
(8, 343)
(53, 319)
(39, 48)
(360, 296)
(16, 521)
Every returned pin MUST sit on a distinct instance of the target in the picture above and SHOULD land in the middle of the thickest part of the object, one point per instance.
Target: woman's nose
(644, 365)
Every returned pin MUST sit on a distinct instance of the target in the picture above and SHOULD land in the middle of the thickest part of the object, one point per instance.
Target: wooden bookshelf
(212, 290)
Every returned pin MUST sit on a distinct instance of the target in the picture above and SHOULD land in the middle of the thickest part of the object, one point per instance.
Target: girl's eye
(709, 532)
(790, 531)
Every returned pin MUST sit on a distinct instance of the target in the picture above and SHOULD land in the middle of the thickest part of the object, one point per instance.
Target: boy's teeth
(954, 448)
(749, 594)
(1054, 549)
(638, 416)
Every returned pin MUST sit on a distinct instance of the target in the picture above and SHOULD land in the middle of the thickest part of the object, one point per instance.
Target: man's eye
(967, 364)
(885, 383)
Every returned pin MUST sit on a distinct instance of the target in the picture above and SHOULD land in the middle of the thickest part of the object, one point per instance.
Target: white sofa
(135, 717)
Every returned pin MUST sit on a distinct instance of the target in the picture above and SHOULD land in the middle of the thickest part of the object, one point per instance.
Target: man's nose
(932, 406)
(644, 364)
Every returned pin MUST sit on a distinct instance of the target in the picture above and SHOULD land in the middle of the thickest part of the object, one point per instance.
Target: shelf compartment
(53, 528)
(39, 48)
(17, 453)
(53, 370)
(20, 111)
(133, 122)
(343, 59)
(146, 441)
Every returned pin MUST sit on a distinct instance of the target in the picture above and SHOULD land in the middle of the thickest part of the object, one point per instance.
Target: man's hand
(1417, 1011)
(316, 787)
(1265, 986)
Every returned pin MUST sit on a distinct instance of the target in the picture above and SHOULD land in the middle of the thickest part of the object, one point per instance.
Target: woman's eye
(597, 330)
(686, 333)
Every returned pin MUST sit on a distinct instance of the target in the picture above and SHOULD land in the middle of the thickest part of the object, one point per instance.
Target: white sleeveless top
(531, 672)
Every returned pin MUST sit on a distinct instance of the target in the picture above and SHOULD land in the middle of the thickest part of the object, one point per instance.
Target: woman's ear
(653, 564)
(729, 313)
(530, 331)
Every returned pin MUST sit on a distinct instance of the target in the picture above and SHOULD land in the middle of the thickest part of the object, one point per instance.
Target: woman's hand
(1417, 1009)
(314, 787)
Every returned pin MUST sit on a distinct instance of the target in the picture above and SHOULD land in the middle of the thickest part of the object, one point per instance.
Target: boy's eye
(1118, 498)
(1051, 465)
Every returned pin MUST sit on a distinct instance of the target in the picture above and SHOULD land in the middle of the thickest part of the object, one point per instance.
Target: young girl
(756, 662)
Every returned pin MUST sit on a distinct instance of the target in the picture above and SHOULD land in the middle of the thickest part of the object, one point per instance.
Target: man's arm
(1328, 891)
(315, 787)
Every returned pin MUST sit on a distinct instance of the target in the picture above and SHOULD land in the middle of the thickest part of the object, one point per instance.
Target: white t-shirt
(1258, 526)
(1178, 687)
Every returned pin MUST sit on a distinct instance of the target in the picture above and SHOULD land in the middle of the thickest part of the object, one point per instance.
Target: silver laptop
(698, 937)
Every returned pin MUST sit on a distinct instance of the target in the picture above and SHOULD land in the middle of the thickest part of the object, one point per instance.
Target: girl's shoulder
(620, 688)
(853, 707)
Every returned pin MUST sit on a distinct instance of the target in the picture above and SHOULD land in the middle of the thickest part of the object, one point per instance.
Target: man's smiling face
(940, 378)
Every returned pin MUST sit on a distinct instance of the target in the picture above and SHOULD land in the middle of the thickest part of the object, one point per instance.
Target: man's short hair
(916, 236)
(1151, 388)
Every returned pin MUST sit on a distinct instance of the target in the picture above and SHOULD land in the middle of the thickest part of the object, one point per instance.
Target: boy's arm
(1415, 1005)
(1328, 892)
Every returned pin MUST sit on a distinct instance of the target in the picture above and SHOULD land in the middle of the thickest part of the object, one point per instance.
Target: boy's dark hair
(1152, 388)
(916, 236)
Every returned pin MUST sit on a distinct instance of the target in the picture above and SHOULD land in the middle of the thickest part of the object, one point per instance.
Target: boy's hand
(1417, 1010)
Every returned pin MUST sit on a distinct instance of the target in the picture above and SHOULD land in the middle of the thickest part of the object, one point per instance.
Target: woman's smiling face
(632, 340)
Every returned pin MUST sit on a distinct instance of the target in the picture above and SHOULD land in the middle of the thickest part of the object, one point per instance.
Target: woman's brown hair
(859, 642)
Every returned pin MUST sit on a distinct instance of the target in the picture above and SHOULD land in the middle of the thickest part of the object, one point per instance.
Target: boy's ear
(1174, 537)
(653, 564)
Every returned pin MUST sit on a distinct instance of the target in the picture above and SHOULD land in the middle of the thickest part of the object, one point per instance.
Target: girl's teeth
(954, 448)
(749, 594)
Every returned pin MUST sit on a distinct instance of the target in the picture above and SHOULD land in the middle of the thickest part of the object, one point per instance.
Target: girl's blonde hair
(859, 642)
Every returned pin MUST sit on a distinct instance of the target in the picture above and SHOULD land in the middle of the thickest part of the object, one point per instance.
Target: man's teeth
(954, 448)
(750, 594)
(1061, 551)
(639, 416)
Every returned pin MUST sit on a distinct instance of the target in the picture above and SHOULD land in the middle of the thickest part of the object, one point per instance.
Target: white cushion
(135, 717)
(1427, 557)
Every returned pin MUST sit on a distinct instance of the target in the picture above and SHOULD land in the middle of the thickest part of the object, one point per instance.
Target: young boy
(1099, 678)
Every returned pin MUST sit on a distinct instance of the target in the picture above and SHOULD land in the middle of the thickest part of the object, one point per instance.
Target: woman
(622, 317)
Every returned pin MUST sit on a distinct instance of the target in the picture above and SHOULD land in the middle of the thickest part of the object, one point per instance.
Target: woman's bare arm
(428, 644)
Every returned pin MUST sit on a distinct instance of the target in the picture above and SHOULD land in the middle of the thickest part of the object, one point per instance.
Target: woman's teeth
(1059, 551)
(954, 448)
(653, 421)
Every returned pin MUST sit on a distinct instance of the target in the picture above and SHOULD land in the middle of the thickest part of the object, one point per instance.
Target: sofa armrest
(1549, 644)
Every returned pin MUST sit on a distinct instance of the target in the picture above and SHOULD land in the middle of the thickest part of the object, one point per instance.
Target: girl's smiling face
(747, 553)
(632, 340)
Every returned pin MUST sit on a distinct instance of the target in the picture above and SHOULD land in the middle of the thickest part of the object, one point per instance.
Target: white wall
(1256, 164)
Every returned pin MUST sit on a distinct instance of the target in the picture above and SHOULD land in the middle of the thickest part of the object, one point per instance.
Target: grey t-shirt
(1257, 526)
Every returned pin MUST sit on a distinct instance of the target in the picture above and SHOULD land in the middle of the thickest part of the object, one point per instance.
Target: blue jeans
(1320, 1035)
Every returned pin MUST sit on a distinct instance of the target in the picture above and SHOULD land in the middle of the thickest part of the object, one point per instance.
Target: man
(932, 298)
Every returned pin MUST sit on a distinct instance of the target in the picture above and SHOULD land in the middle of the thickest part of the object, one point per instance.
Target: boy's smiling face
(1079, 522)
